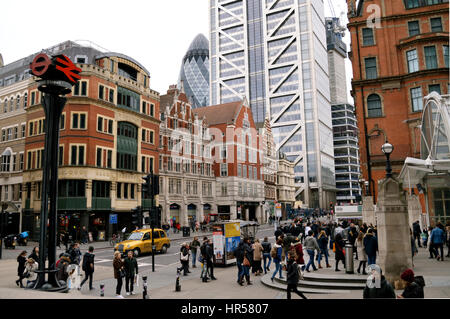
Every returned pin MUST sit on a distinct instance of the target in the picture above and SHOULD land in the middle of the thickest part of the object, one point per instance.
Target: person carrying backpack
(88, 267)
(294, 275)
(276, 253)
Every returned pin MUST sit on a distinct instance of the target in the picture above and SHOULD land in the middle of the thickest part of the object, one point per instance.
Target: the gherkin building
(195, 72)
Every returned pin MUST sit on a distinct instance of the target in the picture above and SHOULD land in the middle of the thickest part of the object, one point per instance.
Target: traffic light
(155, 185)
(147, 187)
(136, 216)
(9, 219)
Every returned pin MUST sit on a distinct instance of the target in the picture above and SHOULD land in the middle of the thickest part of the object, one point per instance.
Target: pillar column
(200, 213)
(414, 210)
(394, 240)
(183, 215)
(259, 214)
(233, 211)
(368, 210)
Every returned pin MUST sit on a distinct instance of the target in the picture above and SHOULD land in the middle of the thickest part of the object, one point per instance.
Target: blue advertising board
(113, 219)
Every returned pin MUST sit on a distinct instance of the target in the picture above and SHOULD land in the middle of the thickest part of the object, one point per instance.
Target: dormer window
(81, 59)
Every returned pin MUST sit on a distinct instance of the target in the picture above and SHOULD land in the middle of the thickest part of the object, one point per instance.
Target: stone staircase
(321, 283)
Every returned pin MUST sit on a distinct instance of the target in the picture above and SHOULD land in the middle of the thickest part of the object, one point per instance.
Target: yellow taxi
(140, 242)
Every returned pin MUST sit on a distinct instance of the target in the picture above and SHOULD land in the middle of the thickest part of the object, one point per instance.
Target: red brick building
(187, 180)
(109, 135)
(238, 160)
(397, 60)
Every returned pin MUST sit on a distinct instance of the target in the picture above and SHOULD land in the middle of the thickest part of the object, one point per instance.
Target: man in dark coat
(131, 269)
(239, 254)
(210, 259)
(292, 276)
(416, 232)
(371, 247)
(88, 267)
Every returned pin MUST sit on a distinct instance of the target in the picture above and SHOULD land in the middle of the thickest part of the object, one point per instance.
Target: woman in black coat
(22, 260)
(339, 250)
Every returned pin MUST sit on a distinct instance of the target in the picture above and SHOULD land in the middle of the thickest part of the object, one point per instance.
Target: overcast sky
(156, 33)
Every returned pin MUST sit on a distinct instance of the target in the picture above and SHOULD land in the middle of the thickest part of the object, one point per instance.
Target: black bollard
(102, 290)
(144, 285)
(177, 283)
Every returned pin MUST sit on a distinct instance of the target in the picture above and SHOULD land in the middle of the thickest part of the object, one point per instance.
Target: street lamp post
(387, 149)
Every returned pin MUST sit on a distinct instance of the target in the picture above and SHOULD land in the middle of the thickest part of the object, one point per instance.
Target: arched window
(18, 102)
(5, 106)
(374, 106)
(11, 105)
(25, 100)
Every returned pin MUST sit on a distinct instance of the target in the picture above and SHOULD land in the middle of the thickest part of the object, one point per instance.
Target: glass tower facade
(195, 72)
(274, 52)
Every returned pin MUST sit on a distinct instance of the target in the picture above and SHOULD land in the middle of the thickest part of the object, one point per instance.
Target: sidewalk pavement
(161, 283)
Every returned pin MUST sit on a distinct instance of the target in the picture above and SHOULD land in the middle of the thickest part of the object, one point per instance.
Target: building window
(436, 24)
(62, 122)
(413, 28)
(101, 92)
(80, 88)
(434, 88)
(21, 161)
(78, 121)
(152, 110)
(368, 38)
(446, 61)
(411, 4)
(416, 98)
(61, 156)
(371, 68)
(430, 57)
(374, 106)
(413, 61)
(441, 200)
(23, 130)
(25, 100)
(77, 155)
(81, 59)
(111, 95)
(223, 170)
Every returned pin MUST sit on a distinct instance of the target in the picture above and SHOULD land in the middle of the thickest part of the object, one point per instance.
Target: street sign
(113, 219)
(57, 68)
(67, 67)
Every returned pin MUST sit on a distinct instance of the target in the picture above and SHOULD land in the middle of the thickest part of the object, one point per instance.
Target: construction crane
(338, 28)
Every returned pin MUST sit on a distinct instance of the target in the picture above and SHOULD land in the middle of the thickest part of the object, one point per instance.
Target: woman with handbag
(119, 272)
(248, 259)
(184, 258)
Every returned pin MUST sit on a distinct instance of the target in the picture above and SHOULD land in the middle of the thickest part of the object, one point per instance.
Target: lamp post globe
(387, 149)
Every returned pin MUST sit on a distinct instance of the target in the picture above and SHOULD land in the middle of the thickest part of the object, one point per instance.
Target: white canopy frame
(434, 146)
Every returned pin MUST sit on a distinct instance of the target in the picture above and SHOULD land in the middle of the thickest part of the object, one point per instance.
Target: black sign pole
(152, 219)
(53, 107)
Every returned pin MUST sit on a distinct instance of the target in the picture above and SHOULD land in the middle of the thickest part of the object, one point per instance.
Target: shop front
(192, 213)
(223, 213)
(174, 213)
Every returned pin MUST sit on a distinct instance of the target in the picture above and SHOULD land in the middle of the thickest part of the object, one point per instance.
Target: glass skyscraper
(195, 72)
(274, 52)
